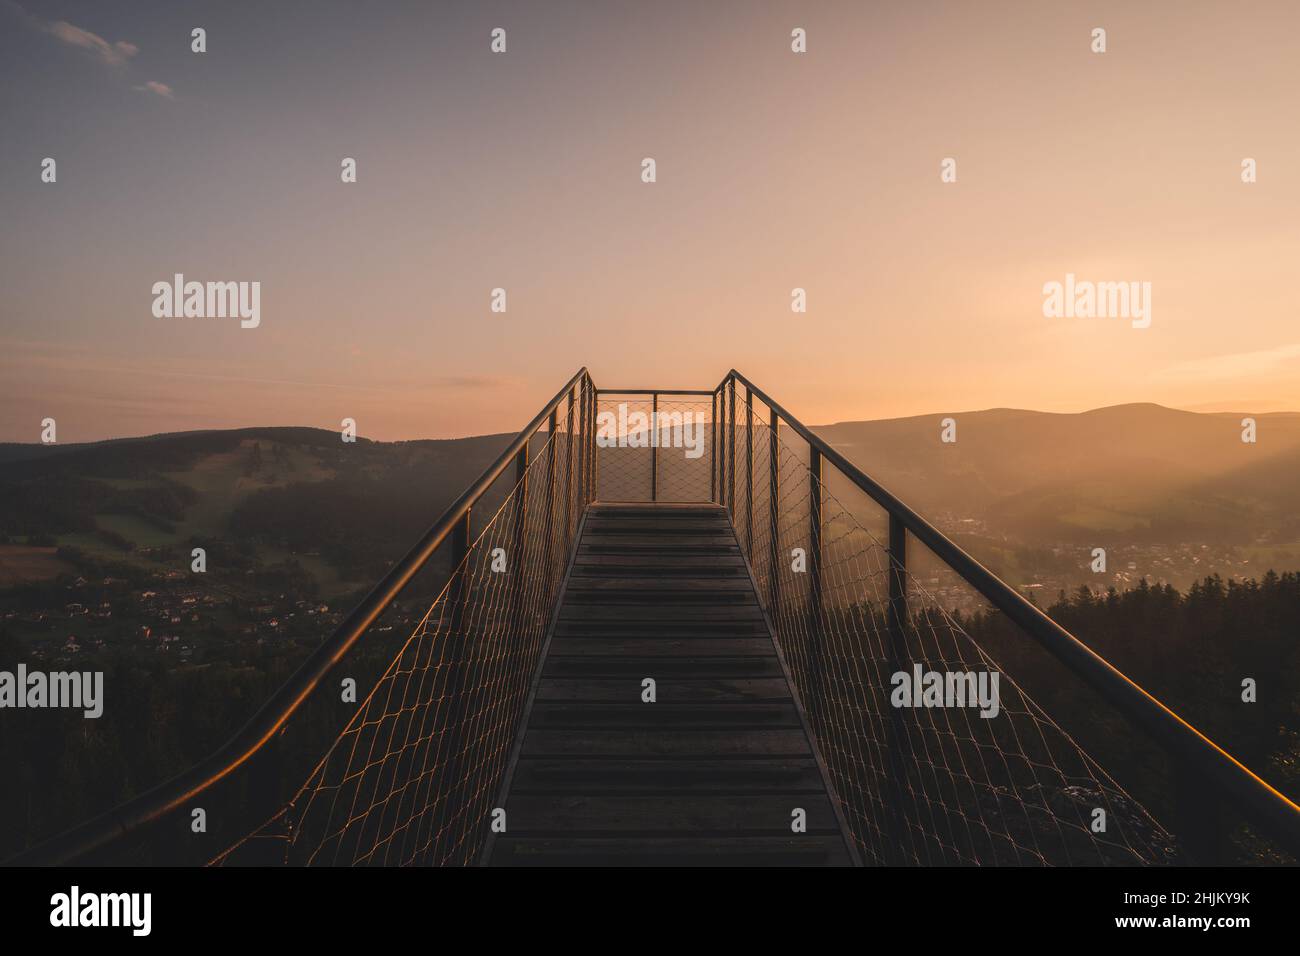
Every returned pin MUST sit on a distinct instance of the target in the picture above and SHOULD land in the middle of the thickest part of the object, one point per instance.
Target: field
(221, 481)
(20, 564)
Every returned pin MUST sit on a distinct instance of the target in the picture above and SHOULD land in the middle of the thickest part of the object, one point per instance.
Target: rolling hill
(342, 511)
(1128, 474)
(1135, 472)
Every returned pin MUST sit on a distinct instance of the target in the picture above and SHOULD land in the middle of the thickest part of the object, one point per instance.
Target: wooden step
(768, 814)
(668, 743)
(683, 614)
(747, 715)
(656, 587)
(722, 542)
(646, 510)
(667, 775)
(681, 630)
(638, 524)
(668, 689)
(634, 649)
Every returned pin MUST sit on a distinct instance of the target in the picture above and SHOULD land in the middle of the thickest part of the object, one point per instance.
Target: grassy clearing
(1101, 519)
(223, 480)
(21, 563)
(138, 531)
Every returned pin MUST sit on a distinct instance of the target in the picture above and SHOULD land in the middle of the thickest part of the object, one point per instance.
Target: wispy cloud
(114, 54)
(111, 54)
(153, 86)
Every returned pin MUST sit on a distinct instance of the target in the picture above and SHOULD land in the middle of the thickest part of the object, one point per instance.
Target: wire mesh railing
(654, 445)
(412, 777)
(938, 756)
(985, 779)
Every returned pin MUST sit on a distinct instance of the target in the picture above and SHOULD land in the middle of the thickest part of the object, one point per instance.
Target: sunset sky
(522, 170)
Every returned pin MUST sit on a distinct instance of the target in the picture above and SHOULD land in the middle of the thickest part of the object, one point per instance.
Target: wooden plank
(636, 667)
(668, 689)
(693, 650)
(667, 775)
(674, 530)
(657, 585)
(670, 630)
(661, 596)
(693, 539)
(626, 524)
(710, 565)
(596, 552)
(635, 517)
(629, 603)
(756, 814)
(728, 556)
(744, 716)
(671, 530)
(664, 510)
(633, 667)
(658, 573)
(666, 615)
(669, 743)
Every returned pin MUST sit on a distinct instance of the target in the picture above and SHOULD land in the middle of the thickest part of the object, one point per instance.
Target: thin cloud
(153, 86)
(113, 55)
(110, 54)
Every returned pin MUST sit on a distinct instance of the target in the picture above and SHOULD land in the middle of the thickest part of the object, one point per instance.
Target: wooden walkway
(707, 774)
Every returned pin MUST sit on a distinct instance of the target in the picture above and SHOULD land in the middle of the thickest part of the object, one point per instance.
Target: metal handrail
(1200, 758)
(655, 391)
(165, 798)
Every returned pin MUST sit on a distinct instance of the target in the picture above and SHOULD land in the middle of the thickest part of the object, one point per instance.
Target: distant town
(1043, 573)
(172, 613)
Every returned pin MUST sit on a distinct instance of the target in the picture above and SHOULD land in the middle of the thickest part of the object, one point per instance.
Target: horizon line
(846, 421)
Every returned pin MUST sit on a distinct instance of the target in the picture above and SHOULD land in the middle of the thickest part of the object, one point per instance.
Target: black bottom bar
(933, 910)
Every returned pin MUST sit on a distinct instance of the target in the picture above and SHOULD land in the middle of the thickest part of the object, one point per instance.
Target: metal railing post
(731, 449)
(548, 543)
(773, 517)
(749, 473)
(721, 442)
(581, 452)
(568, 473)
(654, 446)
(815, 496)
(713, 448)
(592, 475)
